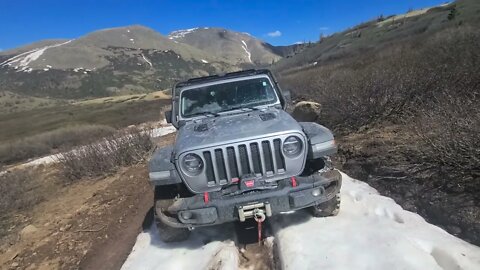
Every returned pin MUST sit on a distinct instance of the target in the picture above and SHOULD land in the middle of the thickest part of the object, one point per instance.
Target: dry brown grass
(48, 142)
(107, 155)
(431, 86)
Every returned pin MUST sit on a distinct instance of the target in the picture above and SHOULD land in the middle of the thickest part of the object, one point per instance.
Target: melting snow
(181, 33)
(128, 30)
(150, 252)
(24, 59)
(146, 60)
(371, 232)
(245, 47)
(204, 61)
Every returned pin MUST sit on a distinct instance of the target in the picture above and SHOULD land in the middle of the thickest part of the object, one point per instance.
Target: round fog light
(186, 214)
(316, 192)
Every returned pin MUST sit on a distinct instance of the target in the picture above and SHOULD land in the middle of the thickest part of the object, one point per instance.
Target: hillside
(382, 32)
(126, 60)
(402, 95)
(237, 48)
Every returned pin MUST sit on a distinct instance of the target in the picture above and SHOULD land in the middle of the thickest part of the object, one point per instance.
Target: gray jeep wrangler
(239, 155)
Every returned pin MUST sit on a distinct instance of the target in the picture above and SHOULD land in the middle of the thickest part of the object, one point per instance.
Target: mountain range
(127, 60)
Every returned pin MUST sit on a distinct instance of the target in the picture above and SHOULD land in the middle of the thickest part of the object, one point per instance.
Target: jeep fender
(161, 169)
(320, 138)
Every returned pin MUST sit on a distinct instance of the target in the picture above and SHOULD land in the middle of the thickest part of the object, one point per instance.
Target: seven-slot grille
(227, 164)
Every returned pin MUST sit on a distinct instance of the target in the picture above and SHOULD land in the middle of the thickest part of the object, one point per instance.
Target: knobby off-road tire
(162, 199)
(328, 208)
(169, 234)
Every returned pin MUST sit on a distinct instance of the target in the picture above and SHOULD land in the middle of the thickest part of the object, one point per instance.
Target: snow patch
(128, 30)
(146, 60)
(204, 61)
(150, 252)
(370, 232)
(245, 47)
(24, 59)
(181, 33)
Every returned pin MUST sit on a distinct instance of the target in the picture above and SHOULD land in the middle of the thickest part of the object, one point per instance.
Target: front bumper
(195, 211)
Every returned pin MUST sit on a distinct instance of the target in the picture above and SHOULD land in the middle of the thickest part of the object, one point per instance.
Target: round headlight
(292, 146)
(192, 164)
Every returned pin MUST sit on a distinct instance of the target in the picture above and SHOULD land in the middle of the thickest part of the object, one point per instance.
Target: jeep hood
(226, 129)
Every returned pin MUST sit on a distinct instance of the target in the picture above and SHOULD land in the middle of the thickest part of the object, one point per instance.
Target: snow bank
(370, 232)
(24, 59)
(207, 248)
(181, 33)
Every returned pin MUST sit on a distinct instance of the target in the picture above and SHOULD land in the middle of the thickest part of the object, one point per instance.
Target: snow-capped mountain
(127, 59)
(234, 46)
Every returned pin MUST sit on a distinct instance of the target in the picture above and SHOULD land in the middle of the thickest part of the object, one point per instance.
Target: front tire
(328, 208)
(169, 234)
(164, 196)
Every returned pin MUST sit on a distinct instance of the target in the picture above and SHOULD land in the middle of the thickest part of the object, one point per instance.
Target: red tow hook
(294, 181)
(206, 199)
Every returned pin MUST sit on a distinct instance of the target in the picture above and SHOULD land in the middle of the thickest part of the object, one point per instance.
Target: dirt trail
(94, 223)
(89, 225)
(252, 254)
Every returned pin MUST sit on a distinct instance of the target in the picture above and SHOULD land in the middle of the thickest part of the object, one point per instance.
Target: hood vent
(267, 116)
(201, 127)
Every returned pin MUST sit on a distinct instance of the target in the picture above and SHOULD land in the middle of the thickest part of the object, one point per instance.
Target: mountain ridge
(126, 60)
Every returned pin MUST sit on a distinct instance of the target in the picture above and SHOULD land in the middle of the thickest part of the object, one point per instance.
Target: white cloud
(276, 33)
(324, 28)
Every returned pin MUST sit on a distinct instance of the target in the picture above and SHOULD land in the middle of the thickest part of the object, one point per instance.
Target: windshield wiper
(242, 107)
(205, 114)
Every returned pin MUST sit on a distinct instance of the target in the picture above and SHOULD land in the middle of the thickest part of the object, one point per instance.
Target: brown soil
(93, 224)
(89, 224)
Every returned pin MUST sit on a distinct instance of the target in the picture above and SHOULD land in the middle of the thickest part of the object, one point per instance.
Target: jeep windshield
(228, 96)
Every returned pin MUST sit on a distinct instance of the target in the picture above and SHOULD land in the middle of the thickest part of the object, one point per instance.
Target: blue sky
(278, 22)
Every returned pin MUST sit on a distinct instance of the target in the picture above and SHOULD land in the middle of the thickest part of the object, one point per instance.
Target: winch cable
(259, 217)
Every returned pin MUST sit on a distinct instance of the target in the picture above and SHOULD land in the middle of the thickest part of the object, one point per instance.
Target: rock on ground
(306, 111)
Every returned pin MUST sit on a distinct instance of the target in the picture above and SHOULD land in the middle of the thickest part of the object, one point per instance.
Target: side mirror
(287, 98)
(168, 116)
